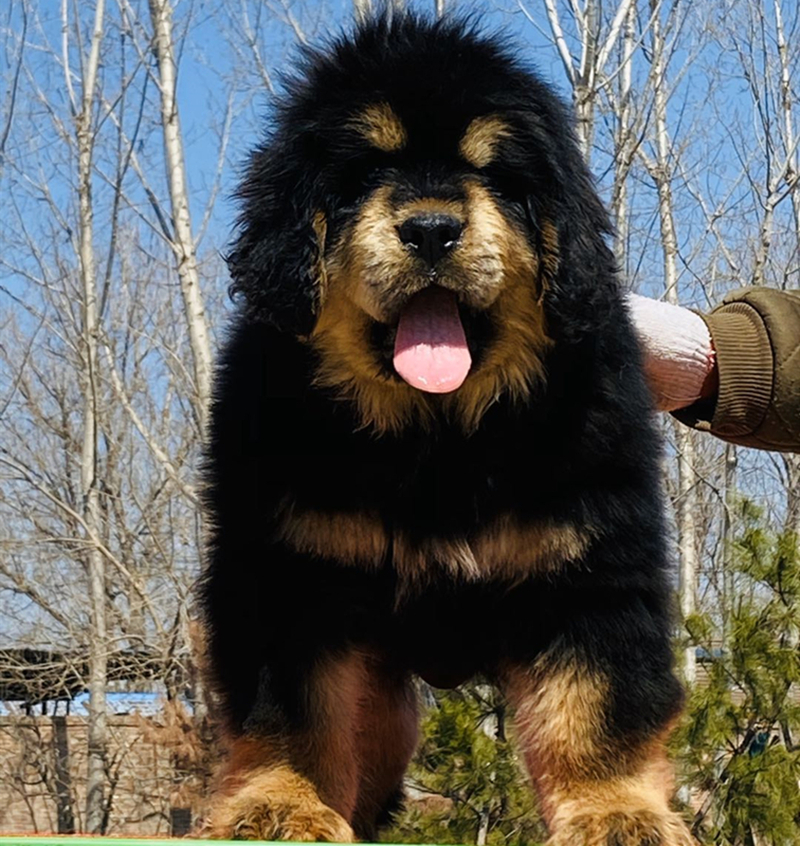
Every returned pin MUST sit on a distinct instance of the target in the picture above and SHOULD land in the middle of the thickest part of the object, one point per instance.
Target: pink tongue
(430, 351)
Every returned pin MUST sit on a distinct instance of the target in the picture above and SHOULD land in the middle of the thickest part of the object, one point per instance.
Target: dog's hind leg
(592, 715)
(293, 771)
(386, 739)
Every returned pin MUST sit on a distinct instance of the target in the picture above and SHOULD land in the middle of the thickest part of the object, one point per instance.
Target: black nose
(431, 236)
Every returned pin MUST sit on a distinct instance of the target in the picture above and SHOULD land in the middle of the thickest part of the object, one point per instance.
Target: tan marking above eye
(382, 128)
(479, 144)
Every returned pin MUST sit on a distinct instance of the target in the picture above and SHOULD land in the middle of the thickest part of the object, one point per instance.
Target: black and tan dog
(431, 453)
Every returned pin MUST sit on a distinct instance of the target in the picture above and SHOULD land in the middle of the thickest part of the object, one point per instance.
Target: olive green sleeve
(756, 335)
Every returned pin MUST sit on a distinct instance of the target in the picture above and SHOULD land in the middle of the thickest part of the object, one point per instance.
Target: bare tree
(362, 9)
(99, 388)
(181, 236)
(77, 494)
(90, 481)
(787, 100)
(660, 166)
(625, 140)
(12, 86)
(596, 31)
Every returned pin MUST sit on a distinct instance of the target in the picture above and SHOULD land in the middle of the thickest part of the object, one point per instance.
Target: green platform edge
(79, 840)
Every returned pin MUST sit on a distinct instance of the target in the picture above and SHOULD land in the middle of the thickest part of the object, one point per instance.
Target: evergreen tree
(466, 784)
(736, 743)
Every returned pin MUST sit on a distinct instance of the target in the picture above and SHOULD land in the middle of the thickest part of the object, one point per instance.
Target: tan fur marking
(431, 205)
(309, 786)
(372, 251)
(414, 562)
(513, 364)
(592, 791)
(550, 258)
(260, 797)
(647, 784)
(304, 786)
(350, 365)
(479, 143)
(509, 549)
(504, 549)
(370, 274)
(628, 809)
(559, 718)
(357, 538)
(320, 227)
(383, 129)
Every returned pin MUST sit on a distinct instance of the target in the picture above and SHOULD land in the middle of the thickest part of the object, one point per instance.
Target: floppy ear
(587, 287)
(581, 290)
(276, 261)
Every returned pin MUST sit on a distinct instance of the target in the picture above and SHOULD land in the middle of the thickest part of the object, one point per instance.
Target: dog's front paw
(275, 804)
(623, 828)
(299, 823)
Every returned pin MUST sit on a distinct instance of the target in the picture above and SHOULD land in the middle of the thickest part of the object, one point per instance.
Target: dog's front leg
(592, 715)
(292, 770)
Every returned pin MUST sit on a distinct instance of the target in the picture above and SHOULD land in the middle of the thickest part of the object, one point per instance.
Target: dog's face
(406, 220)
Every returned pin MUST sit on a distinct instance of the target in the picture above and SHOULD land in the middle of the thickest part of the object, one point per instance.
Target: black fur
(582, 451)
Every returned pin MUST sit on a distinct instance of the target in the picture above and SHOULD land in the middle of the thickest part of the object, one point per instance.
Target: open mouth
(430, 347)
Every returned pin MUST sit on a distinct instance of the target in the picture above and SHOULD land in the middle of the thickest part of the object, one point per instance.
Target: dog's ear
(276, 262)
(587, 281)
(562, 197)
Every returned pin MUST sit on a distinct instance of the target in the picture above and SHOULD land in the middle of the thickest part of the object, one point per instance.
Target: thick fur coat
(367, 525)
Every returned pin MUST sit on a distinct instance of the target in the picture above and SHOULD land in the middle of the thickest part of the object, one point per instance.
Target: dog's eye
(508, 186)
(360, 177)
(511, 192)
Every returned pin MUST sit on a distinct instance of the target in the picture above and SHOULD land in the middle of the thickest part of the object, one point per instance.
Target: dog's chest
(443, 508)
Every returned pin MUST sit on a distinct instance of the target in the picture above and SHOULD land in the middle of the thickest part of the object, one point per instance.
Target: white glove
(679, 357)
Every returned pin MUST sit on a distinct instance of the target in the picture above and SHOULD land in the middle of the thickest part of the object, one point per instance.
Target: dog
(431, 453)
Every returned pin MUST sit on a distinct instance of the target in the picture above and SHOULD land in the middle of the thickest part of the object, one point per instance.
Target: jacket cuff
(745, 366)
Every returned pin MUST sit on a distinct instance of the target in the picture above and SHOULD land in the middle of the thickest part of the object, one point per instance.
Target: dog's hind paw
(623, 828)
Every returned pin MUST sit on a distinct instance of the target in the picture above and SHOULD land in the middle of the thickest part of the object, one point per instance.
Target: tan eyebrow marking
(479, 144)
(382, 128)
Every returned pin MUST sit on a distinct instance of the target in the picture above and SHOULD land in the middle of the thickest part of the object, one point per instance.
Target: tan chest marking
(505, 549)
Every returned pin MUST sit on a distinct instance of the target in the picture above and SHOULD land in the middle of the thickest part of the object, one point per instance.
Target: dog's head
(416, 203)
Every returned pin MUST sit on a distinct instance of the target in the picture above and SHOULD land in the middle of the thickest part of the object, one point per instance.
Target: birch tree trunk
(791, 462)
(98, 640)
(596, 45)
(483, 828)
(182, 241)
(686, 505)
(729, 528)
(624, 142)
(585, 79)
(362, 9)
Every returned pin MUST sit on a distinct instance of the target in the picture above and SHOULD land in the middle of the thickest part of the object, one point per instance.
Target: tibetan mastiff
(431, 453)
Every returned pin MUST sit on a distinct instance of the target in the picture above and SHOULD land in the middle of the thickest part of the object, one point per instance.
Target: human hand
(679, 358)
